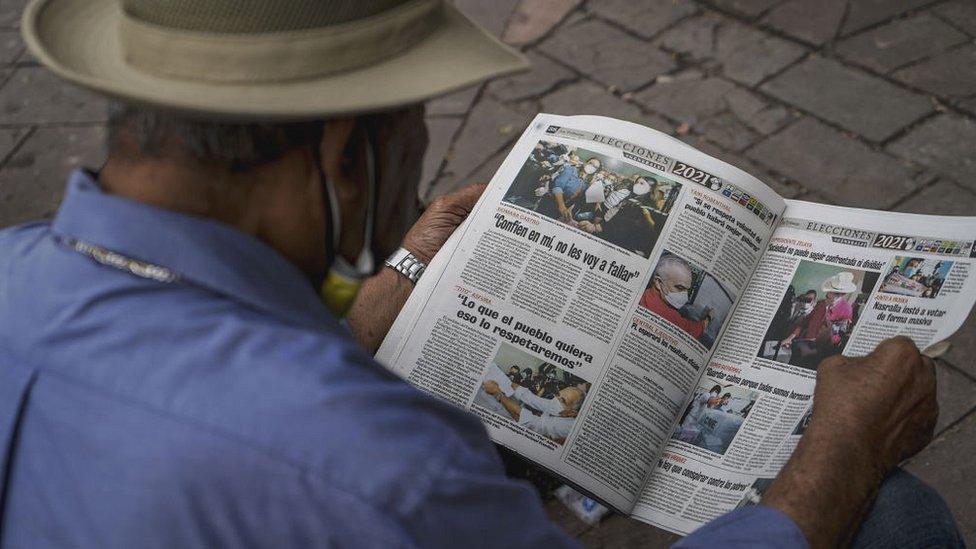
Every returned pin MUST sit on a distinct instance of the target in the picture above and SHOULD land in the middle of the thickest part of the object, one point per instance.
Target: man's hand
(885, 400)
(382, 296)
(439, 220)
(492, 388)
(565, 214)
(869, 414)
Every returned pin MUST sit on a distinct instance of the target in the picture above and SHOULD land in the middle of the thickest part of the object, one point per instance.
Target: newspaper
(646, 321)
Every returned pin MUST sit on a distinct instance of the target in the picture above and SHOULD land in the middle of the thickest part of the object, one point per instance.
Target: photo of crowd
(916, 277)
(535, 394)
(714, 415)
(688, 297)
(817, 314)
(621, 204)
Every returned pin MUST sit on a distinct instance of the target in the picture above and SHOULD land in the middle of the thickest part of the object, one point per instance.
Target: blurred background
(868, 103)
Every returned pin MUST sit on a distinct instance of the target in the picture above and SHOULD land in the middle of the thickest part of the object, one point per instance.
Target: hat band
(277, 56)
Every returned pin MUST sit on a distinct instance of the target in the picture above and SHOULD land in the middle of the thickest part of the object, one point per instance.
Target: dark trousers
(908, 513)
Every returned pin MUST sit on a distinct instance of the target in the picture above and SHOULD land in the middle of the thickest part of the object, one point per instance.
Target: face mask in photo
(677, 299)
(553, 407)
(642, 187)
(590, 169)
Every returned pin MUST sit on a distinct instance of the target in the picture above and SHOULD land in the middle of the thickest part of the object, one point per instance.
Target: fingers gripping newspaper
(646, 321)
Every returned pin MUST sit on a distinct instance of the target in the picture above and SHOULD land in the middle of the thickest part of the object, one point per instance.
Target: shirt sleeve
(549, 426)
(526, 396)
(755, 526)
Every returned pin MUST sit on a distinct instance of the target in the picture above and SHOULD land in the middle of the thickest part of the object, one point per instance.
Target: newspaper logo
(552, 129)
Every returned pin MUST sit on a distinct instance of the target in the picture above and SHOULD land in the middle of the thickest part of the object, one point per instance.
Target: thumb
(462, 201)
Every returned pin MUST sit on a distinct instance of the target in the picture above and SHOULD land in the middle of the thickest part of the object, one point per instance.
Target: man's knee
(908, 513)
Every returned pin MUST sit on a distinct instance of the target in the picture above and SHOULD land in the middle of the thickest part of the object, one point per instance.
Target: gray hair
(669, 262)
(235, 146)
(579, 402)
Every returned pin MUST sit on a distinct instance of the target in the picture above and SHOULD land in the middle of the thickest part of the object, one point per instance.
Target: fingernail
(937, 349)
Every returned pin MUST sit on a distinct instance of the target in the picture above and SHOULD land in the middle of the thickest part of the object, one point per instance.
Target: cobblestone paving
(867, 103)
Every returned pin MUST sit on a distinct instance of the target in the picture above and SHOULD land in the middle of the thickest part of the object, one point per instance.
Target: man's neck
(194, 190)
(279, 202)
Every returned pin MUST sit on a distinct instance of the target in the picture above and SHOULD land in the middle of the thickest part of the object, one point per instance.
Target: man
(168, 376)
(555, 415)
(802, 306)
(668, 293)
(537, 169)
(567, 186)
(515, 374)
(820, 333)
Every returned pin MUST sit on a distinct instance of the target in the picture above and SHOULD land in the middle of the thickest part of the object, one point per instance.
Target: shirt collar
(201, 251)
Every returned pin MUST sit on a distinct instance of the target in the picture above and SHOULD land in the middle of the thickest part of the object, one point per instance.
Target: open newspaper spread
(646, 321)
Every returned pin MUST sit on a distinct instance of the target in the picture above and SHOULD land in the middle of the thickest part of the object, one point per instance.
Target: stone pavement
(867, 103)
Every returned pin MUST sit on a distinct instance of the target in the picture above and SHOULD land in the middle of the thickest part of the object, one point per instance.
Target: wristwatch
(406, 264)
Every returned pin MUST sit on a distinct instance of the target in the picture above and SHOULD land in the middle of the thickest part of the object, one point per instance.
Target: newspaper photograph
(818, 312)
(618, 202)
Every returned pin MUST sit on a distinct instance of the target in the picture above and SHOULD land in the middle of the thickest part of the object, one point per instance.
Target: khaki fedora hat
(265, 59)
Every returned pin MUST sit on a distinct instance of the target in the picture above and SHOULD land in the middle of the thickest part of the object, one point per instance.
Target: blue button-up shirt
(227, 408)
(568, 182)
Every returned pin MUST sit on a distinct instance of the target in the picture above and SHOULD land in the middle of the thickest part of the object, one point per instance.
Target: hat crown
(253, 16)
(842, 282)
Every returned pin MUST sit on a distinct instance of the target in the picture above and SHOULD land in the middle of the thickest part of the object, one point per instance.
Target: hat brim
(847, 289)
(79, 40)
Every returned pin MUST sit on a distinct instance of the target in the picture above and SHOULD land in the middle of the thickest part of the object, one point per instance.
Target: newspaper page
(576, 307)
(832, 281)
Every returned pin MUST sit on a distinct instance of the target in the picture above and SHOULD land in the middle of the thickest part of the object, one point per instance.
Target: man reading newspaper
(170, 378)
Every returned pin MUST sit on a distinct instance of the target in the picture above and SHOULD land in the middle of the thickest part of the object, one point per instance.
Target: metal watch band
(406, 264)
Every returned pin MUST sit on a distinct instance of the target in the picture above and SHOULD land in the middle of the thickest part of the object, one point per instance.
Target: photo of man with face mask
(821, 316)
(613, 200)
(546, 401)
(687, 297)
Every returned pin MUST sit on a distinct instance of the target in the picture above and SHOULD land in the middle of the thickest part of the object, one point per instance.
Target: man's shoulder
(16, 239)
(15, 243)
